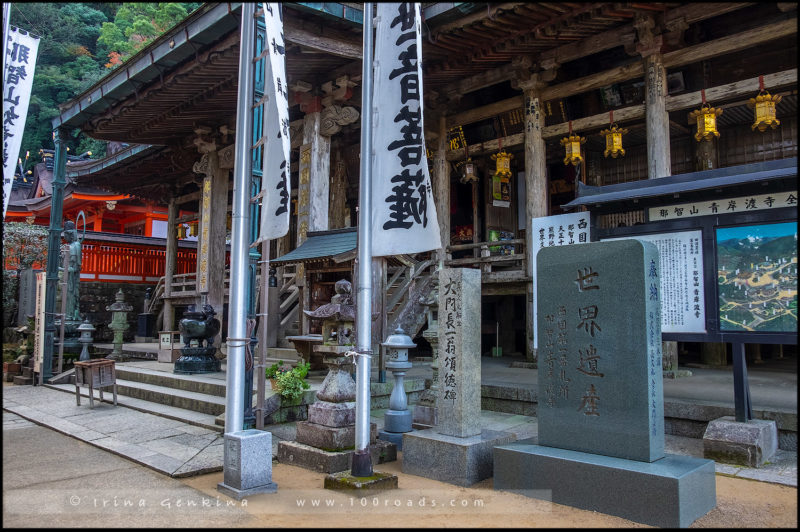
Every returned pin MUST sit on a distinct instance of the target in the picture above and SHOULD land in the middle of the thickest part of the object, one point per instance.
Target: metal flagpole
(362, 461)
(237, 308)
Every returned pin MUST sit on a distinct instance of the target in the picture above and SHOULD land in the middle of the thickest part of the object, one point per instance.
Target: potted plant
(292, 383)
(273, 371)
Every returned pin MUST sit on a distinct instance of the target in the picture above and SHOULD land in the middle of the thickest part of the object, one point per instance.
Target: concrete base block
(459, 461)
(169, 355)
(671, 492)
(750, 444)
(247, 464)
(307, 457)
(361, 486)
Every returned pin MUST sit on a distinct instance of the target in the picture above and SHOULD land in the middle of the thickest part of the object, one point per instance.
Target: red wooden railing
(130, 262)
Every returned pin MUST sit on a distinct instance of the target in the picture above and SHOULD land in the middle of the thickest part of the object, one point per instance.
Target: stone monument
(326, 441)
(457, 451)
(601, 402)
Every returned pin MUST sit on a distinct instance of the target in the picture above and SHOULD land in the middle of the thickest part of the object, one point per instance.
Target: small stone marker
(460, 357)
(600, 384)
(247, 464)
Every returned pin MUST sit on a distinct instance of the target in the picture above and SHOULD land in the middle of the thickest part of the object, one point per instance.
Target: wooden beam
(475, 17)
(731, 43)
(674, 59)
(326, 40)
(745, 87)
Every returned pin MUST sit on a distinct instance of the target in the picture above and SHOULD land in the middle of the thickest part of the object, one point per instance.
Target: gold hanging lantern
(181, 231)
(706, 118)
(764, 105)
(503, 166)
(193, 228)
(613, 138)
(572, 147)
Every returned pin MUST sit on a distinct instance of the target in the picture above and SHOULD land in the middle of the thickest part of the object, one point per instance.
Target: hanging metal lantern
(706, 118)
(193, 228)
(764, 105)
(503, 166)
(469, 172)
(181, 231)
(572, 147)
(613, 138)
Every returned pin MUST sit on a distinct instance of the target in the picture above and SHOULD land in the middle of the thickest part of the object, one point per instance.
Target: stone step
(191, 417)
(27, 372)
(21, 380)
(189, 383)
(194, 401)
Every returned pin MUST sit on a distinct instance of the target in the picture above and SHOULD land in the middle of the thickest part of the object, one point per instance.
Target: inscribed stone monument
(601, 404)
(457, 450)
(600, 385)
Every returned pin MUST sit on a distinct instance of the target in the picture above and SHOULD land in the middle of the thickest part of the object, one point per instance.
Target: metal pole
(237, 307)
(741, 386)
(53, 249)
(362, 461)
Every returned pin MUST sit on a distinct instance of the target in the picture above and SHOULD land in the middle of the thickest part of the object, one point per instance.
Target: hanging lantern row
(572, 147)
(764, 105)
(503, 163)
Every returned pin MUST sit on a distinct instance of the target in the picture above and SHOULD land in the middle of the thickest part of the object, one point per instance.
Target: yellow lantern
(193, 228)
(706, 118)
(764, 105)
(614, 141)
(503, 160)
(572, 147)
(181, 231)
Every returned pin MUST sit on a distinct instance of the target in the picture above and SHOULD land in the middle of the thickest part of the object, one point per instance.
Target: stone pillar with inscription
(457, 451)
(601, 400)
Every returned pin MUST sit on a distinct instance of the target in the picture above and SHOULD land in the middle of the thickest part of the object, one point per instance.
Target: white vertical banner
(18, 67)
(275, 180)
(558, 230)
(403, 212)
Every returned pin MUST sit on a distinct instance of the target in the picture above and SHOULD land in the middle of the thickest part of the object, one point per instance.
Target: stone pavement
(179, 449)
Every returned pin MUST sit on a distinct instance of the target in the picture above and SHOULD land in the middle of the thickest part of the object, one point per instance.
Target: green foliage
(76, 40)
(292, 383)
(23, 245)
(276, 368)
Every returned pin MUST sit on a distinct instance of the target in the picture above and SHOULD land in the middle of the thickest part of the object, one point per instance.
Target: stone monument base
(671, 492)
(248, 464)
(308, 457)
(750, 443)
(459, 461)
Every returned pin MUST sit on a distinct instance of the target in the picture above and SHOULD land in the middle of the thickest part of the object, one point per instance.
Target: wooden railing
(508, 255)
(130, 263)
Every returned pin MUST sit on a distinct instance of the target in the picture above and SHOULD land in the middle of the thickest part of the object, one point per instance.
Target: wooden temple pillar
(312, 195)
(536, 194)
(213, 228)
(657, 121)
(168, 320)
(441, 189)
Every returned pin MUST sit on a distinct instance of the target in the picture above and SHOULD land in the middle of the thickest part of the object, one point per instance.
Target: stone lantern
(397, 419)
(119, 324)
(85, 329)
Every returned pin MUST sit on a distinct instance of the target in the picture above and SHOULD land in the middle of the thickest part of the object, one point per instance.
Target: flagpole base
(362, 464)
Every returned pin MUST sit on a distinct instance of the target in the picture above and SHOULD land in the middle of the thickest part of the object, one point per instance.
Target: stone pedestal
(197, 360)
(326, 441)
(247, 464)
(671, 492)
(750, 443)
(452, 459)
